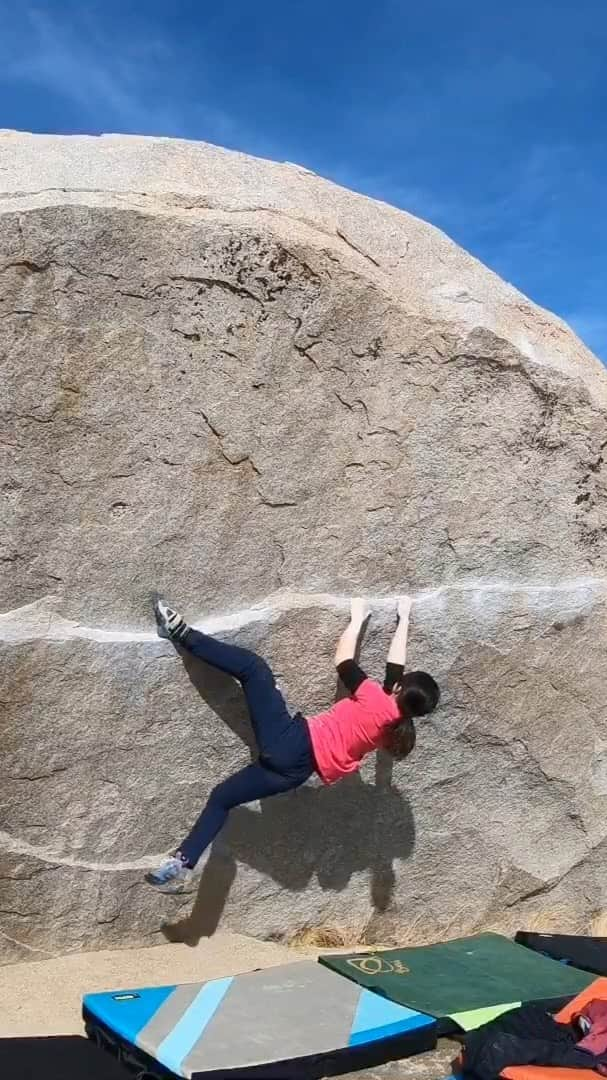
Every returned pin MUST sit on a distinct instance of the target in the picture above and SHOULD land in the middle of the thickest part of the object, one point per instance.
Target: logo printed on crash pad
(376, 965)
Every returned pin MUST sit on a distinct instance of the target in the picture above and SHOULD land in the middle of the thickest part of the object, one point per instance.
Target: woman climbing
(292, 748)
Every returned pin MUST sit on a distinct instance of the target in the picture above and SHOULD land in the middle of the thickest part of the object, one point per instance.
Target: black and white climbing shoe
(170, 623)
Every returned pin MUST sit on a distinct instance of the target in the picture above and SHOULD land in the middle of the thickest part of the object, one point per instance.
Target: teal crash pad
(456, 978)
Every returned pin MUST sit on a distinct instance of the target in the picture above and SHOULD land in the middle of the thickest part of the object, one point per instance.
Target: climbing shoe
(170, 623)
(171, 876)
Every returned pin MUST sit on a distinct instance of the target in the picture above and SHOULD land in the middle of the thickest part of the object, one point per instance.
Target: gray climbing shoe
(171, 876)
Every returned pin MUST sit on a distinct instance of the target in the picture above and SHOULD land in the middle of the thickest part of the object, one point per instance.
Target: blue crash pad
(292, 1020)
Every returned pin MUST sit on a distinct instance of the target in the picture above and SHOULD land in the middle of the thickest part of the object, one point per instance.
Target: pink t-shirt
(352, 728)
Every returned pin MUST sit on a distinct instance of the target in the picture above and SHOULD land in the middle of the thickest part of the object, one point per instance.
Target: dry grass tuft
(318, 937)
(598, 924)
(558, 920)
(332, 937)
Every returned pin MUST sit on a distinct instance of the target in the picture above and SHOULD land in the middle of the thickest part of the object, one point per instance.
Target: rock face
(234, 381)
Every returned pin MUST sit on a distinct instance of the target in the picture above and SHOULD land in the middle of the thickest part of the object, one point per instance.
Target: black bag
(525, 1036)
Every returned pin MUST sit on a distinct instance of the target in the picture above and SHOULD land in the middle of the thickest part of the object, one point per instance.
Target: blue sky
(486, 117)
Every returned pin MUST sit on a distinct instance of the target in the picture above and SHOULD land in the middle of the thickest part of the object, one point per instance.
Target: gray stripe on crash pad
(291, 1011)
(164, 1019)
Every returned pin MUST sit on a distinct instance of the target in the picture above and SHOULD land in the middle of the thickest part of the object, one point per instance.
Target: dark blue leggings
(285, 751)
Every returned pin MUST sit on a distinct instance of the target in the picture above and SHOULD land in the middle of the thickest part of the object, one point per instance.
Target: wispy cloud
(123, 82)
(76, 62)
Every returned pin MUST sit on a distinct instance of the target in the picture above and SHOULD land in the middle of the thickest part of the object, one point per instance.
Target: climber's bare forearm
(398, 647)
(348, 642)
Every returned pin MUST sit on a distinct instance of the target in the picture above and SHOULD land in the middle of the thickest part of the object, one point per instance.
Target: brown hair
(418, 694)
(400, 739)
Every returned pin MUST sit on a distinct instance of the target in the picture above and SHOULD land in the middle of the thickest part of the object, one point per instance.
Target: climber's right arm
(348, 670)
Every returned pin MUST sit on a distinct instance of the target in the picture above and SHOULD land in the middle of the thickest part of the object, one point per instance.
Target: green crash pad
(457, 978)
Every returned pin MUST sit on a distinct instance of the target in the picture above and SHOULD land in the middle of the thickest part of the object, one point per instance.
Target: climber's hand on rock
(398, 646)
(403, 607)
(359, 610)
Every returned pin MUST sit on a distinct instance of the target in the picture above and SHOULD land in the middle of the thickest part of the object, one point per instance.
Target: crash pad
(586, 953)
(294, 1020)
(458, 977)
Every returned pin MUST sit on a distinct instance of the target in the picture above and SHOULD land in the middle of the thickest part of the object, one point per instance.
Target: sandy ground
(44, 997)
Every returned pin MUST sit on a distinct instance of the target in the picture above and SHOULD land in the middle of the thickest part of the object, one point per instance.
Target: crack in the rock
(22, 945)
(41, 268)
(243, 459)
(31, 416)
(343, 401)
(18, 914)
(194, 336)
(219, 437)
(542, 889)
(74, 761)
(303, 350)
(45, 775)
(220, 283)
(275, 503)
(355, 247)
(17, 311)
